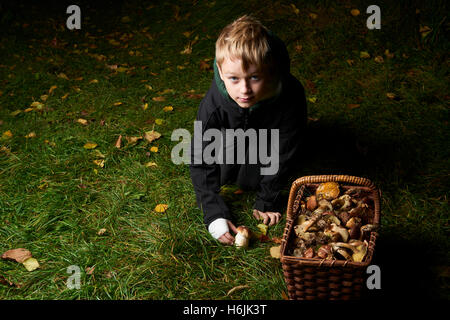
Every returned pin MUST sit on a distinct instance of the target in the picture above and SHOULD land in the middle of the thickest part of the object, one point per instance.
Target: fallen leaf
(31, 135)
(89, 270)
(355, 12)
(98, 154)
(52, 88)
(236, 288)
(145, 106)
(275, 252)
(149, 87)
(313, 16)
(93, 81)
(154, 149)
(63, 76)
(117, 103)
(166, 91)
(364, 55)
(101, 231)
(118, 142)
(238, 191)
(161, 208)
(28, 110)
(388, 54)
(7, 134)
(151, 164)
(379, 59)
(353, 106)
(82, 121)
(295, 9)
(99, 162)
(263, 228)
(36, 104)
(44, 97)
(390, 95)
(31, 264)
(350, 62)
(65, 96)
(132, 140)
(160, 99)
(159, 121)
(168, 108)
(152, 135)
(90, 145)
(425, 30)
(19, 255)
(298, 48)
(312, 99)
(15, 113)
(276, 240)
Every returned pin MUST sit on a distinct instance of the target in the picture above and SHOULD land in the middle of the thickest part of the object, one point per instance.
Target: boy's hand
(227, 238)
(265, 216)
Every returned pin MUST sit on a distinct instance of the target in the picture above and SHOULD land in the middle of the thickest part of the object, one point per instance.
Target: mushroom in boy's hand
(242, 237)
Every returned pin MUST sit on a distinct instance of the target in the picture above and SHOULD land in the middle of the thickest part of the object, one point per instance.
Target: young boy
(252, 89)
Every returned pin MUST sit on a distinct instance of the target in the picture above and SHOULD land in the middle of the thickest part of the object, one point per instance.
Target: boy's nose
(245, 88)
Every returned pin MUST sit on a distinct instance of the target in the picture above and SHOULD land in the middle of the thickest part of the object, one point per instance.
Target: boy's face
(246, 87)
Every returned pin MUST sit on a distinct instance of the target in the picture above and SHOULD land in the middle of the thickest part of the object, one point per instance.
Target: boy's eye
(256, 78)
(233, 78)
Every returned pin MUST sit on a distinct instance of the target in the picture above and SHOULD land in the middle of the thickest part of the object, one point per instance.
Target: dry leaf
(118, 142)
(90, 145)
(388, 54)
(161, 208)
(52, 88)
(101, 231)
(160, 99)
(159, 121)
(295, 9)
(31, 264)
(355, 12)
(154, 149)
(275, 252)
(133, 140)
(390, 95)
(93, 81)
(145, 106)
(151, 164)
(44, 97)
(149, 87)
(312, 99)
(15, 113)
(263, 228)
(99, 162)
(90, 270)
(236, 288)
(63, 76)
(65, 96)
(117, 103)
(82, 121)
(379, 59)
(31, 135)
(353, 106)
(19, 255)
(364, 55)
(28, 110)
(313, 16)
(7, 134)
(152, 135)
(168, 108)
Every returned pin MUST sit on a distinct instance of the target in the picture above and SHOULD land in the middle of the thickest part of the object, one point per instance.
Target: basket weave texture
(311, 279)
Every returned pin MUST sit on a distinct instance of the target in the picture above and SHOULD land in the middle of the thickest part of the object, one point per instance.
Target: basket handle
(318, 179)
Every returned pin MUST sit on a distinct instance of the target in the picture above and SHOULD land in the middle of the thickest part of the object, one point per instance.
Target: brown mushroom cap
(327, 191)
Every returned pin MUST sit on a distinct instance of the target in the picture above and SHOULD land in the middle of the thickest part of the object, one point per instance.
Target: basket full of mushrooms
(329, 238)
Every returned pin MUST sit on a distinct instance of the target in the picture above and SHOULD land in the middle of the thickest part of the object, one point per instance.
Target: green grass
(54, 199)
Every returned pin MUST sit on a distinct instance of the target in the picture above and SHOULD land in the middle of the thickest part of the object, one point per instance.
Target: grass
(54, 199)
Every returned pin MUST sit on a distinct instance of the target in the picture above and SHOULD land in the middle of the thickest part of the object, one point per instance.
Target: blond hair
(245, 39)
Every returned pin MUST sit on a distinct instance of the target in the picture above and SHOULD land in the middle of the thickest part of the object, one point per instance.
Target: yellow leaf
(263, 228)
(90, 145)
(425, 30)
(355, 12)
(15, 113)
(51, 89)
(275, 252)
(117, 103)
(133, 140)
(312, 99)
(159, 121)
(101, 231)
(114, 42)
(160, 99)
(145, 106)
(350, 62)
(98, 154)
(77, 89)
(168, 108)
(100, 162)
(44, 97)
(390, 95)
(28, 110)
(149, 87)
(31, 264)
(152, 135)
(63, 76)
(154, 149)
(187, 34)
(95, 171)
(82, 121)
(161, 208)
(30, 135)
(65, 96)
(93, 81)
(379, 59)
(7, 134)
(364, 55)
(313, 16)
(166, 91)
(296, 10)
(121, 69)
(36, 104)
(151, 164)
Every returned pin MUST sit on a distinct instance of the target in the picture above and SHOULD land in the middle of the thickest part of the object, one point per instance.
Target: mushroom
(311, 203)
(336, 231)
(358, 248)
(312, 220)
(359, 210)
(309, 253)
(344, 216)
(242, 237)
(342, 203)
(366, 229)
(327, 191)
(324, 252)
(307, 236)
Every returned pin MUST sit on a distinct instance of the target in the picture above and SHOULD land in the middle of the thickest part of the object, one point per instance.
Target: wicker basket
(310, 279)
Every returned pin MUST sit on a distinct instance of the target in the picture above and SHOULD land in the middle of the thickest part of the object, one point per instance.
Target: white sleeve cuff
(218, 227)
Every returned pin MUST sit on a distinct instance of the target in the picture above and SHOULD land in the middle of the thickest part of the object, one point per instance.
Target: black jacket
(286, 112)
